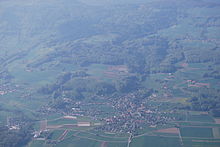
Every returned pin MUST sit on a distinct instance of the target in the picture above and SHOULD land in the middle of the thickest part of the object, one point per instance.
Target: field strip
(217, 120)
(104, 135)
(156, 135)
(63, 135)
(43, 125)
(76, 135)
(200, 127)
(216, 133)
(71, 129)
(208, 141)
(151, 134)
(104, 144)
(168, 130)
(49, 120)
(166, 136)
(100, 140)
(198, 122)
(55, 119)
(59, 127)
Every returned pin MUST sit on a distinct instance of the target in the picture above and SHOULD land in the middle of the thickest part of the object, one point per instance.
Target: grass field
(101, 138)
(116, 144)
(155, 141)
(201, 118)
(216, 132)
(62, 121)
(194, 128)
(56, 134)
(196, 132)
(37, 143)
(78, 142)
(201, 142)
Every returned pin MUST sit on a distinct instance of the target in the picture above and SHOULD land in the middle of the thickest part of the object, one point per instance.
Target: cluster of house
(192, 83)
(7, 88)
(133, 115)
(13, 124)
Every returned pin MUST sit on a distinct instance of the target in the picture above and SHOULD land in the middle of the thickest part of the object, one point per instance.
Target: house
(83, 124)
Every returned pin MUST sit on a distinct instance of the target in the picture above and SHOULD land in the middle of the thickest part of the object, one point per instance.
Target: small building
(15, 127)
(83, 124)
(37, 134)
(69, 117)
(97, 124)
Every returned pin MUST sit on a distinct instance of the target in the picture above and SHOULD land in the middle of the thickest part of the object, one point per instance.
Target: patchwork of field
(198, 129)
(79, 64)
(156, 141)
(191, 128)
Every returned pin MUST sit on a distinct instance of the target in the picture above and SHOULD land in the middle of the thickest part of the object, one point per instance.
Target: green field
(116, 144)
(201, 142)
(201, 118)
(62, 122)
(101, 138)
(78, 142)
(155, 141)
(56, 134)
(37, 143)
(196, 132)
(145, 70)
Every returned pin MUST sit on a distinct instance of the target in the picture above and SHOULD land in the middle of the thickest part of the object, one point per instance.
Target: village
(131, 113)
(7, 88)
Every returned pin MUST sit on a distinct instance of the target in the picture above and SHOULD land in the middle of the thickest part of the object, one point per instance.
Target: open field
(37, 143)
(62, 121)
(216, 132)
(196, 132)
(112, 73)
(201, 142)
(169, 130)
(155, 141)
(201, 118)
(78, 142)
(217, 120)
(196, 128)
(56, 134)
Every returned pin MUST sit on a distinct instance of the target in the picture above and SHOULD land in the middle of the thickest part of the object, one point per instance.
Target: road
(129, 140)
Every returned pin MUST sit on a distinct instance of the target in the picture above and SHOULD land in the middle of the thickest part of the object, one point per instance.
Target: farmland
(195, 127)
(188, 133)
(116, 73)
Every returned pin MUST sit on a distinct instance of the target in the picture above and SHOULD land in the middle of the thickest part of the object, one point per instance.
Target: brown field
(54, 126)
(216, 133)
(104, 144)
(61, 126)
(184, 65)
(119, 68)
(43, 125)
(116, 71)
(204, 113)
(217, 120)
(111, 74)
(169, 130)
(63, 135)
(70, 117)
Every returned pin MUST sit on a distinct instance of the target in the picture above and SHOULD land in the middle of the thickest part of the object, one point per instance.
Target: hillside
(110, 73)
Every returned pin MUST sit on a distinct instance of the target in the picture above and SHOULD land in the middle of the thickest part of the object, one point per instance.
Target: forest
(143, 69)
